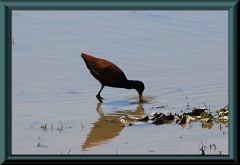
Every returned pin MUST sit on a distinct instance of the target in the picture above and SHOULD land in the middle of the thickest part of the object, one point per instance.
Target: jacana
(108, 74)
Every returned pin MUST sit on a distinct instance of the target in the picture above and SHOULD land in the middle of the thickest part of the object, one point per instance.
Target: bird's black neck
(129, 84)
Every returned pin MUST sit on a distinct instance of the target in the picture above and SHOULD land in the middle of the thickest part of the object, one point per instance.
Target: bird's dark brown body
(108, 74)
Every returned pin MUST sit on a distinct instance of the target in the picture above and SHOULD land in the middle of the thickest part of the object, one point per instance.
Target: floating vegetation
(44, 127)
(52, 127)
(202, 148)
(184, 119)
(206, 117)
(222, 114)
(82, 127)
(160, 106)
(129, 118)
(196, 111)
(60, 129)
(212, 147)
(151, 150)
(41, 145)
(162, 118)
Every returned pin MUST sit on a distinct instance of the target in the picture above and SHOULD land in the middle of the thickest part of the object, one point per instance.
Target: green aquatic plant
(206, 115)
(222, 113)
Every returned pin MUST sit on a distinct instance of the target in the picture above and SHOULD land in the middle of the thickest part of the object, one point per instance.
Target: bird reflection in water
(108, 126)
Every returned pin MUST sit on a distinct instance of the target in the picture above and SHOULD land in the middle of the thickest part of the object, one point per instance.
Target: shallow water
(181, 56)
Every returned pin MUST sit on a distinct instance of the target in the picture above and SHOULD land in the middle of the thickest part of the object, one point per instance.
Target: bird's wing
(107, 71)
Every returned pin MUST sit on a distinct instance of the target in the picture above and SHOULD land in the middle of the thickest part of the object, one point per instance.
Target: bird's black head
(139, 86)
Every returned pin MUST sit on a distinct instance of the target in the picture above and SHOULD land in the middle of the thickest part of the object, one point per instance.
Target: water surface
(177, 54)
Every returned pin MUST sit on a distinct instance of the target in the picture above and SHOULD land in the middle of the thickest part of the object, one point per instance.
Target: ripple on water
(133, 100)
(147, 99)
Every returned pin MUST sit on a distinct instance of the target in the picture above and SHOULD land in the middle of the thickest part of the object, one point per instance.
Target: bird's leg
(98, 94)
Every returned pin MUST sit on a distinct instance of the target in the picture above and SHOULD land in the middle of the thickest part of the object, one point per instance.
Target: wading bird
(108, 74)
